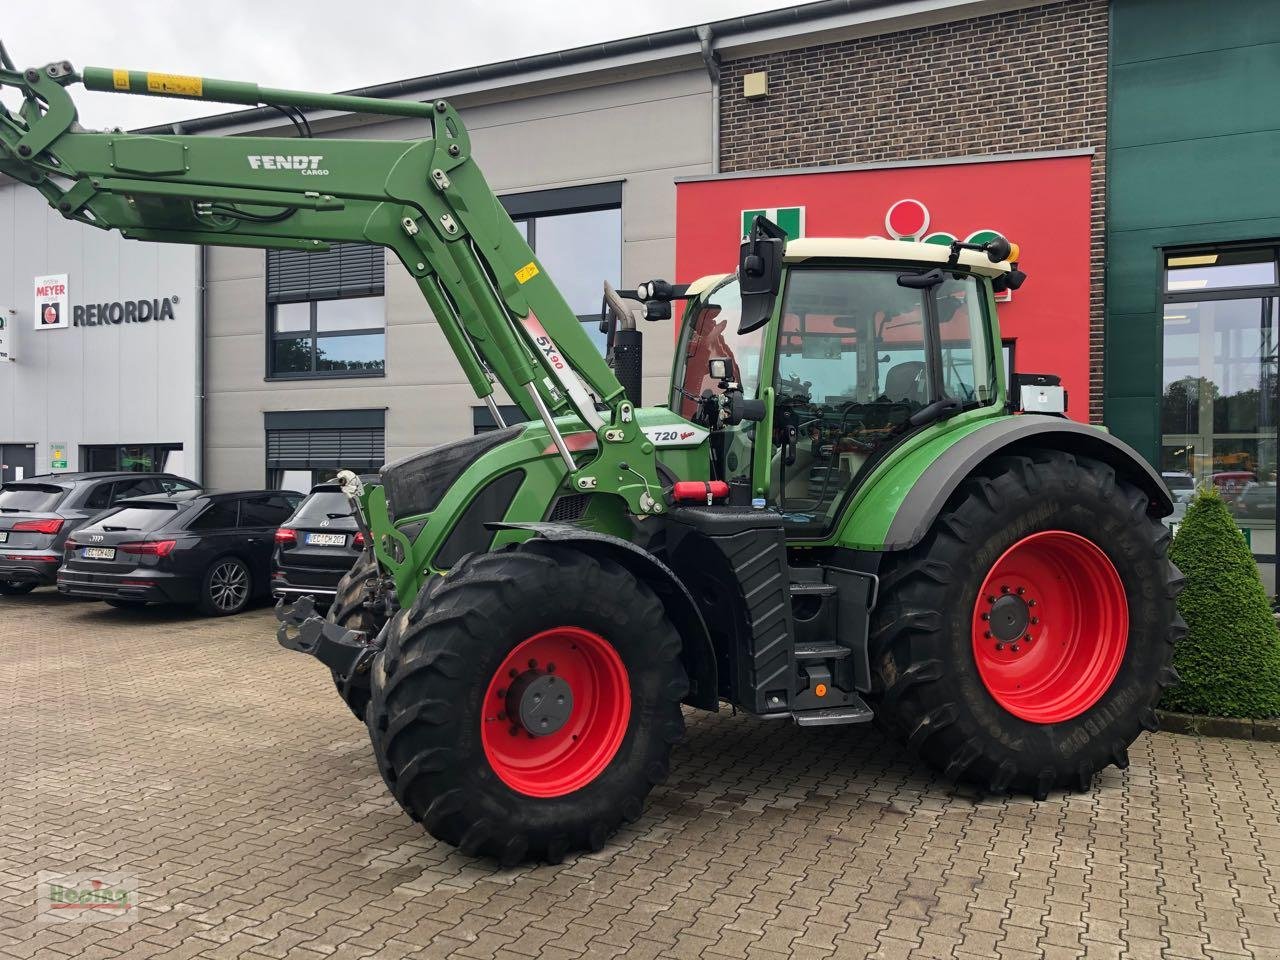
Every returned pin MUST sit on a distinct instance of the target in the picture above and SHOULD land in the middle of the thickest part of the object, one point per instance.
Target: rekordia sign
(51, 311)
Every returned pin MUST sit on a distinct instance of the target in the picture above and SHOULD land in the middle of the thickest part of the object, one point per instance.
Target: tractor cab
(865, 343)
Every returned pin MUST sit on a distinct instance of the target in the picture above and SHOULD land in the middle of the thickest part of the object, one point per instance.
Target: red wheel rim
(588, 728)
(1050, 627)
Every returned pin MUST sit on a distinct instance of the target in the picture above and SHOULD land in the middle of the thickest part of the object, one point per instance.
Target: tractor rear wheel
(1024, 643)
(526, 704)
(350, 611)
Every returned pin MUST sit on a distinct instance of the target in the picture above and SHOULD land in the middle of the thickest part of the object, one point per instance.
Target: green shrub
(1230, 660)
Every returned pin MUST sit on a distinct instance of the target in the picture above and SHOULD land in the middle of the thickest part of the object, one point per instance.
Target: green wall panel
(1211, 94)
(1196, 181)
(1153, 29)
(1194, 131)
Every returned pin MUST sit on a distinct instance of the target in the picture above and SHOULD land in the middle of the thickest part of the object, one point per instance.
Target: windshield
(856, 360)
(322, 505)
(713, 334)
(33, 498)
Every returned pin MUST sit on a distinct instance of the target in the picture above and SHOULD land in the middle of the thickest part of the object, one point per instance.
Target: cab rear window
(30, 498)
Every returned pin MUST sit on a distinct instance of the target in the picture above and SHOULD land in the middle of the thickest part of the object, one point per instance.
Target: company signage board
(51, 309)
(57, 456)
(7, 316)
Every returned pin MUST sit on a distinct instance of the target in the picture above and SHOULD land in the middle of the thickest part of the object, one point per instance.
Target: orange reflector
(820, 690)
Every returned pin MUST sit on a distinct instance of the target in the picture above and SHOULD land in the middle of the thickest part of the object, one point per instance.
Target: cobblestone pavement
(224, 773)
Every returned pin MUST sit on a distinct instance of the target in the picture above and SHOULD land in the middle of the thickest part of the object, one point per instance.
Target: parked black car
(316, 546)
(208, 549)
(38, 513)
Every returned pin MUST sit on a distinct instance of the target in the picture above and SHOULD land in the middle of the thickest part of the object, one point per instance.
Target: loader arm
(426, 200)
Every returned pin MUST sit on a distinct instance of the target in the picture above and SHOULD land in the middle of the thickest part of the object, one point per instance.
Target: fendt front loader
(842, 512)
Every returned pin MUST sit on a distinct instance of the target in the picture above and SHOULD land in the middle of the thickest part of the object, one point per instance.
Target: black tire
(126, 604)
(349, 610)
(930, 692)
(442, 654)
(226, 588)
(9, 589)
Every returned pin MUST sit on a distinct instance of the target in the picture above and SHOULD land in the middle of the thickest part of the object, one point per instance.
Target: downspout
(706, 40)
(202, 309)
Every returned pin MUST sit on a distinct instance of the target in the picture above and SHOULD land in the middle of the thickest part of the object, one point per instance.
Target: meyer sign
(51, 312)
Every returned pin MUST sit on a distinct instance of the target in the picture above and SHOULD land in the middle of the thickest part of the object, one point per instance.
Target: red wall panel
(1040, 204)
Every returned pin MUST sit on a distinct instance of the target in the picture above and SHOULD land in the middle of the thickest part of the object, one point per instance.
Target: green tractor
(841, 512)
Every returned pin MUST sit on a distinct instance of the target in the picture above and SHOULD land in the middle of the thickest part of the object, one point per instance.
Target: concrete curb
(1232, 727)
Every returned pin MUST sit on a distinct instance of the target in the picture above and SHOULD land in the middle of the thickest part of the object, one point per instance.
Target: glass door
(1219, 413)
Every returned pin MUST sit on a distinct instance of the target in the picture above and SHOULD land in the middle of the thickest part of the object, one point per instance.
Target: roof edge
(887, 165)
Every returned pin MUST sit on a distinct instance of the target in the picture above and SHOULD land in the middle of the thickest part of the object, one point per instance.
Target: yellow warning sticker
(527, 272)
(121, 79)
(175, 84)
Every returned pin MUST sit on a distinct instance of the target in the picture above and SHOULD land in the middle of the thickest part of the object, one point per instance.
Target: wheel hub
(541, 702)
(1010, 617)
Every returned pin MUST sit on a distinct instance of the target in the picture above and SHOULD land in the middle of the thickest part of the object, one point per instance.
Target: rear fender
(697, 653)
(928, 492)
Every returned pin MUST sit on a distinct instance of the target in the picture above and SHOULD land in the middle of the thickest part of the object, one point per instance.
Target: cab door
(857, 356)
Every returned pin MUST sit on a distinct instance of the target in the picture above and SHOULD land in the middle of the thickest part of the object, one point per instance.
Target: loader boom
(426, 200)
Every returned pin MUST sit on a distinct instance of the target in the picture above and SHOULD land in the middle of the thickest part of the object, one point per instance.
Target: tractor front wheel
(350, 610)
(526, 703)
(1024, 643)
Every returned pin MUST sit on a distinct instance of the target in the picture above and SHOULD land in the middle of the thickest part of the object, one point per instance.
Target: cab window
(856, 360)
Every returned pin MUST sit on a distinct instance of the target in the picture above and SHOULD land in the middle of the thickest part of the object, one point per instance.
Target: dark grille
(569, 508)
(362, 448)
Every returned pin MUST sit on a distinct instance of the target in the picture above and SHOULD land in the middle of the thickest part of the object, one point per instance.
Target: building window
(1219, 409)
(329, 338)
(134, 457)
(326, 313)
(576, 233)
(305, 447)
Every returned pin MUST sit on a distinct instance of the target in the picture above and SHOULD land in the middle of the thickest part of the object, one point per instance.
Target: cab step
(821, 651)
(855, 712)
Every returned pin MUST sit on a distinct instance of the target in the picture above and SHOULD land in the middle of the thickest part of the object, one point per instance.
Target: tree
(1229, 662)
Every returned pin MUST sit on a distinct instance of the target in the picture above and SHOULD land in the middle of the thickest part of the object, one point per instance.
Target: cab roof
(878, 248)
(868, 248)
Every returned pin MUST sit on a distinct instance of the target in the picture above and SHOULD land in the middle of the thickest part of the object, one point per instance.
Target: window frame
(313, 334)
(1260, 292)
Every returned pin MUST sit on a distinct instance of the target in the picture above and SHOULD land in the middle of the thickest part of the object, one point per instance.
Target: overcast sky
(324, 45)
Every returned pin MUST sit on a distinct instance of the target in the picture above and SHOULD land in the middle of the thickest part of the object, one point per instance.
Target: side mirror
(760, 272)
(720, 368)
(998, 249)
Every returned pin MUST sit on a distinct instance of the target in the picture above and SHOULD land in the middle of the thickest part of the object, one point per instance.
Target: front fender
(929, 482)
(697, 652)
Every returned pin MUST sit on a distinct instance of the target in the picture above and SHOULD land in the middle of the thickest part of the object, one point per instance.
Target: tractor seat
(904, 383)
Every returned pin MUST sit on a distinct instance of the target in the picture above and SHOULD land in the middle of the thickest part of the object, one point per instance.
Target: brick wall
(1027, 80)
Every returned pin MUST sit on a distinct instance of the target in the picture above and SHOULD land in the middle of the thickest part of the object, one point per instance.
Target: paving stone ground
(225, 775)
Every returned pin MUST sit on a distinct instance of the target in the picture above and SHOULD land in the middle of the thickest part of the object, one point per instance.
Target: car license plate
(326, 539)
(4, 536)
(99, 553)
